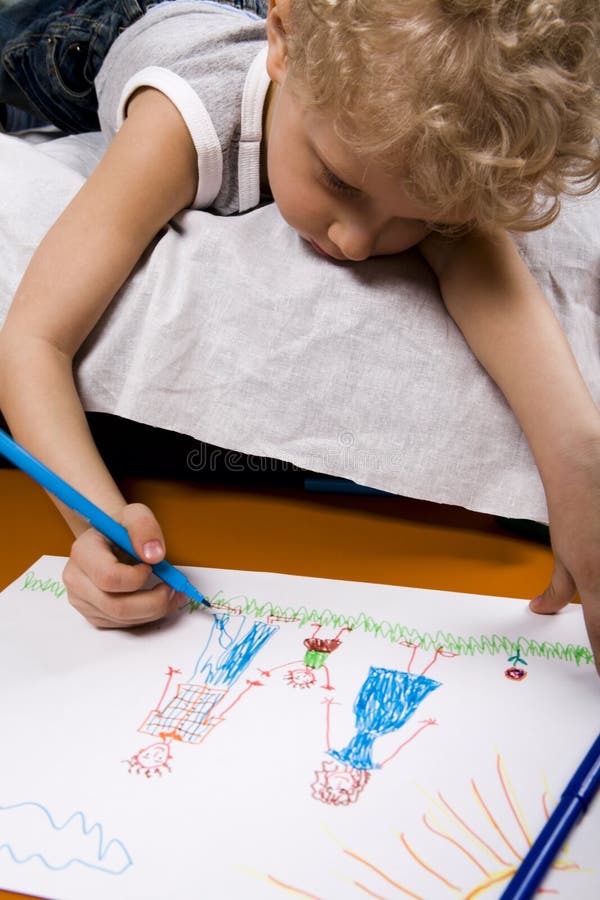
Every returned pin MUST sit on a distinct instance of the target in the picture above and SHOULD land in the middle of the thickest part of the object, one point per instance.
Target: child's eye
(336, 184)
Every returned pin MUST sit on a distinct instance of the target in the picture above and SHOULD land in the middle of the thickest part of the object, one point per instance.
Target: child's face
(344, 208)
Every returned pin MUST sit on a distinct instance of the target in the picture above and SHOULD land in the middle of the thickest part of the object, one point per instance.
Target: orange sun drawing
(461, 859)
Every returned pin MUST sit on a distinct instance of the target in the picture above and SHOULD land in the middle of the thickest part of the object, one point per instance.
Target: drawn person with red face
(196, 707)
(386, 700)
(302, 673)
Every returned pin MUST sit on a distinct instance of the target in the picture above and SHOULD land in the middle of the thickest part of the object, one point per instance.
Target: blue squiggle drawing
(119, 860)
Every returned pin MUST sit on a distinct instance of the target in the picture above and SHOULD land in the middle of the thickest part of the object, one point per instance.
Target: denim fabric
(52, 50)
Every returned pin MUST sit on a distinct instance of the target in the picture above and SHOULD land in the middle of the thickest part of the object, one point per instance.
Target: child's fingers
(117, 609)
(562, 590)
(591, 613)
(110, 593)
(125, 610)
(144, 531)
(93, 555)
(559, 592)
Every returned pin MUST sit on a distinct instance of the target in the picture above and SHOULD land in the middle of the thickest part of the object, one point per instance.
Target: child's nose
(355, 240)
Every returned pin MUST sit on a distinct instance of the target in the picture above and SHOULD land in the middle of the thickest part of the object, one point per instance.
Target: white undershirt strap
(253, 100)
(197, 119)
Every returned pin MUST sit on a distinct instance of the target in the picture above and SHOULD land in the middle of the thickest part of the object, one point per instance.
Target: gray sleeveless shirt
(209, 59)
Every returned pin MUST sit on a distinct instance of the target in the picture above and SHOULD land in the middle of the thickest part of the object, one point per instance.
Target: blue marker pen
(573, 803)
(102, 522)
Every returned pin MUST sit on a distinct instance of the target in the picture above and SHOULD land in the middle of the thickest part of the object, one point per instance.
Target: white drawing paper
(304, 736)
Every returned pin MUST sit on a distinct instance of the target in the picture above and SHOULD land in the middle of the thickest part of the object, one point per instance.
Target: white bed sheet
(232, 330)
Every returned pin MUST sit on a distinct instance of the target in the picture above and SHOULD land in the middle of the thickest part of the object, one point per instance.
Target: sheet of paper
(321, 738)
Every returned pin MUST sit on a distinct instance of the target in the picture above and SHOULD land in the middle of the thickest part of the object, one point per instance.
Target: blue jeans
(51, 52)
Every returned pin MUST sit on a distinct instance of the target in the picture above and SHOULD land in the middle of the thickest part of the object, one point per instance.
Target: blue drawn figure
(387, 699)
(189, 716)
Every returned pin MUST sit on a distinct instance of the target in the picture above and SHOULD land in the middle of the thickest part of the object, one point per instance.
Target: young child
(375, 127)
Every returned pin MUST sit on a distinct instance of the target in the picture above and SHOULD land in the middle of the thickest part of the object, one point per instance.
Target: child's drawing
(151, 760)
(465, 643)
(189, 716)
(387, 699)
(36, 836)
(462, 853)
(302, 673)
(515, 671)
(349, 769)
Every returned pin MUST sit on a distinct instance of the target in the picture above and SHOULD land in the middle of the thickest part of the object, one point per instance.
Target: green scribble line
(484, 644)
(48, 585)
(491, 645)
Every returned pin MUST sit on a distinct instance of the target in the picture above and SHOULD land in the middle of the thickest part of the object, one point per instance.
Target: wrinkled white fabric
(234, 331)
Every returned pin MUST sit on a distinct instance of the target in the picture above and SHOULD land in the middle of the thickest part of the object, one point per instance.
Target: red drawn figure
(302, 673)
(152, 760)
(196, 707)
(387, 699)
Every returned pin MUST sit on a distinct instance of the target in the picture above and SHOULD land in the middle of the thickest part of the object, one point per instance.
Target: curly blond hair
(489, 108)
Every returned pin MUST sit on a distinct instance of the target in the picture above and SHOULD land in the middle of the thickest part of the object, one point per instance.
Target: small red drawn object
(322, 645)
(514, 673)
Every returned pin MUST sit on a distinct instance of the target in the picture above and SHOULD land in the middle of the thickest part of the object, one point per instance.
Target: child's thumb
(559, 592)
(144, 532)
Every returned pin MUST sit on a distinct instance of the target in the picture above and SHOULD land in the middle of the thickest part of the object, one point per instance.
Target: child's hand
(574, 508)
(110, 593)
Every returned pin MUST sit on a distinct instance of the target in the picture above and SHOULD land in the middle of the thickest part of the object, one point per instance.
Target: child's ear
(277, 40)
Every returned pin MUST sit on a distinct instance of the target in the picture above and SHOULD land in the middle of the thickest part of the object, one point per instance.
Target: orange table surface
(391, 540)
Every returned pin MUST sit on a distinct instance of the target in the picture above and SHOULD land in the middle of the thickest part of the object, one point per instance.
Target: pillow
(233, 331)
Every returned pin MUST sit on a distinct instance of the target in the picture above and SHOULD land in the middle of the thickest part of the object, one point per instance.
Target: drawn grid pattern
(186, 715)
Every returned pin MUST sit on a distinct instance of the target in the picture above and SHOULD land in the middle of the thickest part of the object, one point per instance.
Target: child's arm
(148, 174)
(511, 328)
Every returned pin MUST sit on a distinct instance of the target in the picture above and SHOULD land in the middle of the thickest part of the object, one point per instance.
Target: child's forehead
(386, 183)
